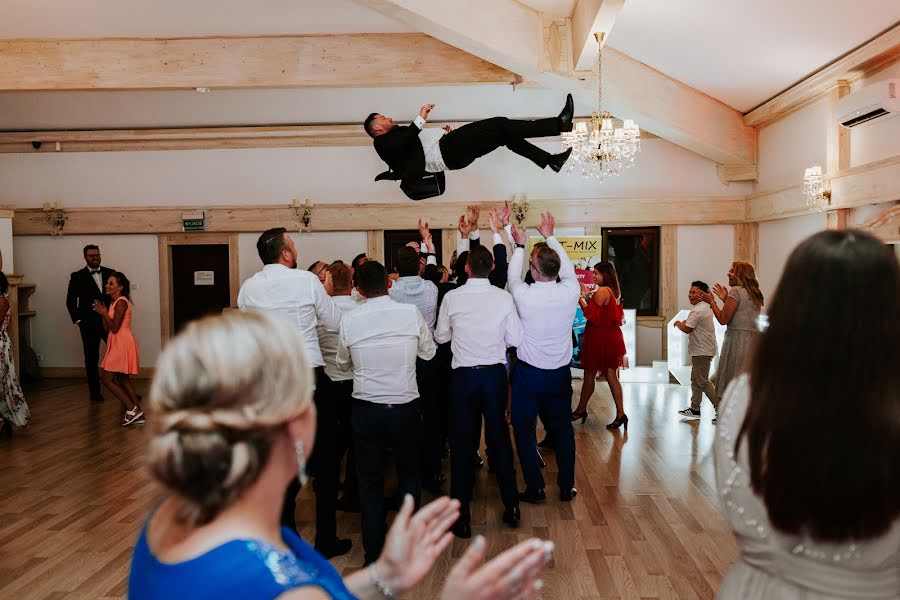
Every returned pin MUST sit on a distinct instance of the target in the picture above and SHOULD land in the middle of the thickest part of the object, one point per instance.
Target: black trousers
(476, 393)
(324, 465)
(343, 397)
(426, 375)
(376, 427)
(462, 146)
(91, 336)
(548, 392)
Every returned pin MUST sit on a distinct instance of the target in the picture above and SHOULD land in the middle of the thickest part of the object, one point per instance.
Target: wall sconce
(302, 213)
(55, 218)
(815, 188)
(520, 208)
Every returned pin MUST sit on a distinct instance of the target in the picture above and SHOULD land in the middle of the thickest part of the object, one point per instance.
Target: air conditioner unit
(873, 101)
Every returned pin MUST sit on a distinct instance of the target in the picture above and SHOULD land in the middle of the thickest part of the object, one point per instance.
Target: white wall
(705, 253)
(790, 145)
(48, 261)
(6, 246)
(776, 241)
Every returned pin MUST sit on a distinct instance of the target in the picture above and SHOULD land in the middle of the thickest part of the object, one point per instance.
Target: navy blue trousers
(548, 392)
(477, 393)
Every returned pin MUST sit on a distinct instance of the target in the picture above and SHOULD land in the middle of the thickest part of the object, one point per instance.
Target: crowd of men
(416, 361)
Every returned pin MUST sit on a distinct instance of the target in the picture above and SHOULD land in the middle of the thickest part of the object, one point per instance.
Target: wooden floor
(645, 524)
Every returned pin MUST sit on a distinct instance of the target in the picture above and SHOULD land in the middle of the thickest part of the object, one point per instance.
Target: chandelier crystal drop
(603, 146)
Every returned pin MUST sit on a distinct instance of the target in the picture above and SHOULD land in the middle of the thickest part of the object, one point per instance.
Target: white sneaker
(132, 417)
(689, 413)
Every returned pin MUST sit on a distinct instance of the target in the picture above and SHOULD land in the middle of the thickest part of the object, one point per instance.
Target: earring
(301, 462)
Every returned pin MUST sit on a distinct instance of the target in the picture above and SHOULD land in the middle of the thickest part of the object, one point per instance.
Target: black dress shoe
(533, 496)
(350, 505)
(558, 160)
(462, 528)
(547, 442)
(567, 114)
(338, 547)
(512, 516)
(567, 495)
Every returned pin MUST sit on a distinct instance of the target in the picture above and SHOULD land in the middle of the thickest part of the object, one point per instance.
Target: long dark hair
(823, 424)
(123, 281)
(610, 279)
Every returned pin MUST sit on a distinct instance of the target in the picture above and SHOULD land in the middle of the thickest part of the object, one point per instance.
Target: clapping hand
(708, 297)
(447, 128)
(546, 226)
(513, 574)
(504, 214)
(518, 235)
(494, 220)
(98, 307)
(720, 291)
(414, 542)
(423, 112)
(464, 227)
(429, 244)
(473, 222)
(423, 229)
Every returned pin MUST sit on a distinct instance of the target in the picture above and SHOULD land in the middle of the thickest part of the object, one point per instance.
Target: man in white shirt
(412, 151)
(381, 341)
(702, 347)
(542, 379)
(301, 299)
(480, 322)
(337, 385)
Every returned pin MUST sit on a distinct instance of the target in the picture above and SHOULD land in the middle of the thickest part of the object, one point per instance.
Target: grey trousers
(700, 383)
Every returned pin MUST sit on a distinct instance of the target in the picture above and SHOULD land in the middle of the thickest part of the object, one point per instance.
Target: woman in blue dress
(232, 422)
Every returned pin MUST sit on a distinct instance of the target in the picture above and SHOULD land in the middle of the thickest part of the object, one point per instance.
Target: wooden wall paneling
(364, 59)
(449, 241)
(399, 215)
(375, 244)
(668, 278)
(746, 243)
(886, 226)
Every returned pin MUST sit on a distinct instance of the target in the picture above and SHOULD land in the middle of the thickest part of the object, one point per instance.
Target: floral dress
(12, 401)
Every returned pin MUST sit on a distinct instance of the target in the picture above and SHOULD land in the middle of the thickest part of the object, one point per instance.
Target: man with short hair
(480, 322)
(381, 340)
(301, 299)
(702, 347)
(542, 380)
(337, 385)
(85, 286)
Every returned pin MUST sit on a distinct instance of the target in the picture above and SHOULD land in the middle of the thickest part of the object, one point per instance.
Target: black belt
(476, 367)
(410, 404)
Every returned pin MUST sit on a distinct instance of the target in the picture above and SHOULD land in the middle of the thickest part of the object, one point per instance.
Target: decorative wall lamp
(520, 208)
(302, 213)
(815, 188)
(55, 218)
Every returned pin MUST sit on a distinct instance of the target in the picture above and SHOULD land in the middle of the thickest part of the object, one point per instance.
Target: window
(634, 252)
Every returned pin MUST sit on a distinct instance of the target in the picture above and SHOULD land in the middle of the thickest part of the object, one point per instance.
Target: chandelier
(601, 147)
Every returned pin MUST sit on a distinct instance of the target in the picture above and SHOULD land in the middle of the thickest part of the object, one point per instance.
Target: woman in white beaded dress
(809, 440)
(13, 409)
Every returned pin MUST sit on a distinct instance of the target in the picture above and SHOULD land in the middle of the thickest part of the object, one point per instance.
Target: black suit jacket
(82, 292)
(401, 149)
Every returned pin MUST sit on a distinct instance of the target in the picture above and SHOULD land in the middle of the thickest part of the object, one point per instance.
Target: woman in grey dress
(740, 312)
(806, 451)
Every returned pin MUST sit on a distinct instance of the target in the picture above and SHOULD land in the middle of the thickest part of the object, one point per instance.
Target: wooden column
(746, 243)
(837, 151)
(668, 278)
(375, 245)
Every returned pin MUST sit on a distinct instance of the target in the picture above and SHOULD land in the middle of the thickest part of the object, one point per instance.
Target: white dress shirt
(418, 292)
(381, 341)
(702, 340)
(547, 310)
(329, 339)
(299, 296)
(97, 276)
(431, 145)
(480, 321)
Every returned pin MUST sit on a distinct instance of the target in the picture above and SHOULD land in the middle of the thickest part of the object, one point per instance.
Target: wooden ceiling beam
(865, 60)
(394, 59)
(590, 17)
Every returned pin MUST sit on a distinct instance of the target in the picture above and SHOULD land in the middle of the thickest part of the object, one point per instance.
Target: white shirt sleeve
(508, 229)
(326, 312)
(497, 239)
(513, 328)
(419, 121)
(442, 329)
(342, 359)
(514, 273)
(462, 245)
(431, 260)
(427, 349)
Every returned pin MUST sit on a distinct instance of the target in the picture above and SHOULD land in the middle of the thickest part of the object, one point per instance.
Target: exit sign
(193, 221)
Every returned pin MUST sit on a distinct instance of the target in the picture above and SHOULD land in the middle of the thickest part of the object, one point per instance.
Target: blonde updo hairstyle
(223, 388)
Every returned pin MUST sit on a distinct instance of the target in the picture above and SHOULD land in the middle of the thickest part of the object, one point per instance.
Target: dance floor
(74, 494)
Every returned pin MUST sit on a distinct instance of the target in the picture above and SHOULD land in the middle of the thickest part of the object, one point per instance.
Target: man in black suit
(85, 286)
(412, 151)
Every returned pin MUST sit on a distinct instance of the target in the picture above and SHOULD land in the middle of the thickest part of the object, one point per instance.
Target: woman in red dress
(603, 348)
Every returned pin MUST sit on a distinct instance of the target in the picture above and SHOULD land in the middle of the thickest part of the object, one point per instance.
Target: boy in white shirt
(702, 348)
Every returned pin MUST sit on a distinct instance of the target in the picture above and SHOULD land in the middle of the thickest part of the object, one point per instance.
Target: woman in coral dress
(603, 348)
(13, 410)
(121, 358)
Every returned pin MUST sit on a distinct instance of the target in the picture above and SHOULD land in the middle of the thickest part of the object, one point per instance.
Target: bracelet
(379, 585)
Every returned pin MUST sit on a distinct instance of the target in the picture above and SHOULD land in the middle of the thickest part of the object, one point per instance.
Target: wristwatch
(520, 245)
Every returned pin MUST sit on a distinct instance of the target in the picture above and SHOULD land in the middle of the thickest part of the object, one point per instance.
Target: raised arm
(442, 329)
(514, 271)
(726, 313)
